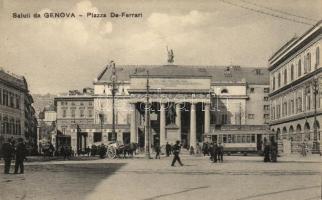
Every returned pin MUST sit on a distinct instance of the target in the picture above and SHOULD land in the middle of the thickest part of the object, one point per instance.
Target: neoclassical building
(187, 103)
(17, 115)
(295, 99)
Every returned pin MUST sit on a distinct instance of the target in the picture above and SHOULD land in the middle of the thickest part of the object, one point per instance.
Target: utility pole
(147, 120)
(113, 79)
(315, 136)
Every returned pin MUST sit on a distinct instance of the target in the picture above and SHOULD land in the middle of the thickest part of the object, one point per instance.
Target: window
(308, 62)
(97, 137)
(17, 101)
(81, 113)
(266, 116)
(5, 98)
(90, 113)
(265, 98)
(266, 107)
(224, 91)
(224, 118)
(266, 90)
(90, 103)
(279, 80)
(299, 104)
(0, 99)
(11, 100)
(64, 113)
(317, 57)
(73, 112)
(81, 104)
(18, 127)
(308, 98)
(292, 72)
(285, 76)
(299, 69)
(110, 136)
(251, 116)
(73, 103)
(252, 90)
(274, 83)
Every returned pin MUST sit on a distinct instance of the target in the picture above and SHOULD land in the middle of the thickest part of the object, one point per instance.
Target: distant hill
(43, 100)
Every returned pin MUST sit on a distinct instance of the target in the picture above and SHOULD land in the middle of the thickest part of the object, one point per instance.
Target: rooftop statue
(170, 56)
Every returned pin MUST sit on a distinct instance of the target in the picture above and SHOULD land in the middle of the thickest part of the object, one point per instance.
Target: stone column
(193, 133)
(207, 119)
(162, 124)
(133, 128)
(178, 118)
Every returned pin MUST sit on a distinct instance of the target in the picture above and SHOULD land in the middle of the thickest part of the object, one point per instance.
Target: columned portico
(133, 127)
(193, 132)
(207, 118)
(162, 124)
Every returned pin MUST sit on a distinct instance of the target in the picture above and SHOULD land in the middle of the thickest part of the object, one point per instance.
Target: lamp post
(113, 79)
(315, 136)
(147, 120)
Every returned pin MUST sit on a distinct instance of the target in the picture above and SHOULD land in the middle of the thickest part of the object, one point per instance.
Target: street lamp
(315, 136)
(147, 119)
(113, 79)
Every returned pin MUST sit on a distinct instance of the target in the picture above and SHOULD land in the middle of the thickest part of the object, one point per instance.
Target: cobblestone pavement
(238, 178)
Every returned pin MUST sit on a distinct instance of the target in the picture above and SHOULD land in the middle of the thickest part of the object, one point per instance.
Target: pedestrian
(168, 149)
(205, 149)
(273, 150)
(7, 152)
(192, 150)
(157, 151)
(266, 151)
(215, 150)
(176, 152)
(211, 151)
(220, 152)
(21, 153)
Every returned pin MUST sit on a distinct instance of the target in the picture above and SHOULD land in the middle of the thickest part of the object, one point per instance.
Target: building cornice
(299, 116)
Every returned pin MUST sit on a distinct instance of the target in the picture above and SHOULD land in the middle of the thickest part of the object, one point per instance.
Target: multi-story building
(295, 99)
(17, 116)
(205, 99)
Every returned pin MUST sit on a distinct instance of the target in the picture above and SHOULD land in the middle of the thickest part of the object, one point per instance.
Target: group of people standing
(270, 150)
(216, 151)
(11, 150)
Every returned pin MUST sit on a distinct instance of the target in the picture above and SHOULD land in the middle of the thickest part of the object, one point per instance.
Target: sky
(59, 54)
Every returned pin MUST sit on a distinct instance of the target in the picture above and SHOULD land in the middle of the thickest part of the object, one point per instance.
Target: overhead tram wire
(279, 11)
(266, 13)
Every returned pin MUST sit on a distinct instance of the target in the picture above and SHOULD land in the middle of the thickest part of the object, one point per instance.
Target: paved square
(238, 178)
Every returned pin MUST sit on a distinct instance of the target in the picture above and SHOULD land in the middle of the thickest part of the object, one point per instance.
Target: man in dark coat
(157, 151)
(273, 150)
(215, 152)
(266, 151)
(176, 151)
(220, 152)
(7, 151)
(168, 149)
(21, 153)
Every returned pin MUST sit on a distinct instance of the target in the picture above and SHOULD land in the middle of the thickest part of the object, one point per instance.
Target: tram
(242, 142)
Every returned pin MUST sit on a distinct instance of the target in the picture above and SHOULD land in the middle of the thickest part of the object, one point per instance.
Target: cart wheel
(111, 152)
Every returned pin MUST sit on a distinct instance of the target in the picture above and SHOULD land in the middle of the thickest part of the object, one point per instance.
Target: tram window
(224, 138)
(238, 138)
(253, 138)
(233, 139)
(248, 138)
(220, 139)
(243, 138)
(229, 138)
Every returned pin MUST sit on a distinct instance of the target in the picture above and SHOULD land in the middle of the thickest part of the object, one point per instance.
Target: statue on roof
(170, 56)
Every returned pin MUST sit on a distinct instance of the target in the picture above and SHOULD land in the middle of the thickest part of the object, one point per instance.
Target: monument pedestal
(172, 133)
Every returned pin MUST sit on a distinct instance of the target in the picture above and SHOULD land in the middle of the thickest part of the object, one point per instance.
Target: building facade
(295, 98)
(187, 103)
(17, 116)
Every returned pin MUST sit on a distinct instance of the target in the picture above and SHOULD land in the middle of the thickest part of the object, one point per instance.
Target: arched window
(273, 83)
(292, 72)
(308, 61)
(279, 80)
(224, 91)
(317, 57)
(299, 69)
(285, 76)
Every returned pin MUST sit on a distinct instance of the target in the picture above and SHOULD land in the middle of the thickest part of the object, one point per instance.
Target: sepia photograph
(160, 100)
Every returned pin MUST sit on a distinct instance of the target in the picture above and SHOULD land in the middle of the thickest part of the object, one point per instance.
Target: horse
(126, 150)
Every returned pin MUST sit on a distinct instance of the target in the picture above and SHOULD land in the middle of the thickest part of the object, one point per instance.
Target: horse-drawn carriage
(116, 149)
